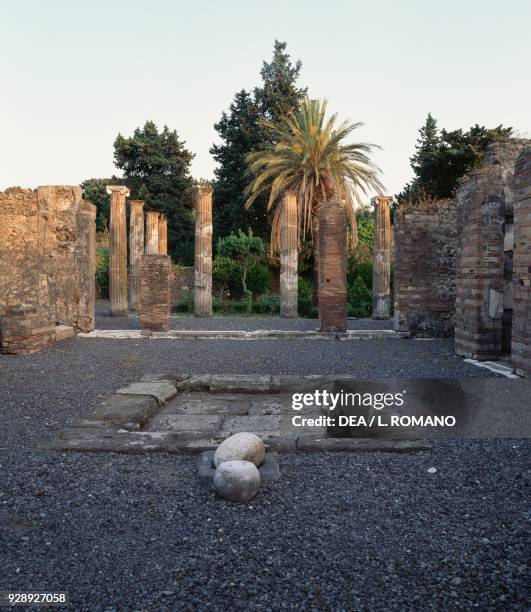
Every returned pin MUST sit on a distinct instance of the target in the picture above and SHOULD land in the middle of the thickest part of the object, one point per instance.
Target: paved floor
(339, 531)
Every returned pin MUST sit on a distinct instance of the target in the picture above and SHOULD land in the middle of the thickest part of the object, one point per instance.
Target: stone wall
(521, 336)
(181, 280)
(47, 255)
(424, 281)
(485, 214)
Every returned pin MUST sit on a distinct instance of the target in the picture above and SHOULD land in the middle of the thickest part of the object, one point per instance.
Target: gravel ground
(337, 532)
(104, 321)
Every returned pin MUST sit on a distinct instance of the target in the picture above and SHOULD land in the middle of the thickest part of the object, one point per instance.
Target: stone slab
(162, 391)
(207, 404)
(128, 411)
(196, 425)
(265, 407)
(237, 383)
(263, 425)
(62, 332)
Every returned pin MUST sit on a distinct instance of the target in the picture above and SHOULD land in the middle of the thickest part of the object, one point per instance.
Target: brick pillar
(163, 235)
(521, 330)
(381, 267)
(136, 251)
(155, 305)
(118, 250)
(289, 256)
(152, 233)
(203, 252)
(332, 267)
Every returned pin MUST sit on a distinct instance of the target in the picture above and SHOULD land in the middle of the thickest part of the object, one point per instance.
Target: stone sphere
(244, 446)
(237, 480)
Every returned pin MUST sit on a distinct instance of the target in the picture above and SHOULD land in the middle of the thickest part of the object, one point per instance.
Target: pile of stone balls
(238, 466)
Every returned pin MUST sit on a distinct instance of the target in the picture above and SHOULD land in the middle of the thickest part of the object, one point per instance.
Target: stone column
(152, 233)
(381, 262)
(203, 252)
(332, 268)
(85, 254)
(118, 250)
(136, 251)
(289, 256)
(163, 235)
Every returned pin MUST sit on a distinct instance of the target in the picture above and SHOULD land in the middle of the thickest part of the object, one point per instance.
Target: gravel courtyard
(338, 532)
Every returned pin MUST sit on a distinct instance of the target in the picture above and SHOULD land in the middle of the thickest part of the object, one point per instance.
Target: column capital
(136, 203)
(119, 189)
(153, 213)
(204, 190)
(381, 200)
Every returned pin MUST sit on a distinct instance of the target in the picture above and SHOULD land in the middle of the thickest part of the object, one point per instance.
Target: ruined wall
(424, 281)
(47, 254)
(181, 280)
(521, 336)
(485, 209)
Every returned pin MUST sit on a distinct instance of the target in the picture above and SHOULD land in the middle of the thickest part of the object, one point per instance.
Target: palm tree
(307, 154)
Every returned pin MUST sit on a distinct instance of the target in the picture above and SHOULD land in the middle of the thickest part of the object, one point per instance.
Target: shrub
(258, 278)
(239, 307)
(227, 275)
(246, 250)
(185, 302)
(359, 298)
(306, 306)
(361, 269)
(102, 272)
(267, 303)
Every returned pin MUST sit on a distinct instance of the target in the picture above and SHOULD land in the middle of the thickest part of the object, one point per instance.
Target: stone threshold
(259, 334)
(182, 413)
(493, 366)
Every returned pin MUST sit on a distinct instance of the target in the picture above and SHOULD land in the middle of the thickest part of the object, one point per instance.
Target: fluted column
(289, 256)
(381, 267)
(118, 250)
(163, 235)
(203, 252)
(332, 267)
(136, 250)
(152, 233)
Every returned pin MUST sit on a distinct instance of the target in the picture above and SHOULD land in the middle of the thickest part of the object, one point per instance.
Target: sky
(75, 74)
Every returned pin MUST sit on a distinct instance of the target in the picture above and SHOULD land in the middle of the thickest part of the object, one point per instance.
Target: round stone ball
(244, 446)
(237, 480)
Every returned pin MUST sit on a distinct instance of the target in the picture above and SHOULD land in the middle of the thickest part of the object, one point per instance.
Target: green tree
(442, 158)
(156, 168)
(241, 131)
(309, 155)
(244, 248)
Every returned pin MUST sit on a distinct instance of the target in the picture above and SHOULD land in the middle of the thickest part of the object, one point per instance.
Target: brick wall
(521, 336)
(485, 206)
(332, 268)
(155, 294)
(424, 282)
